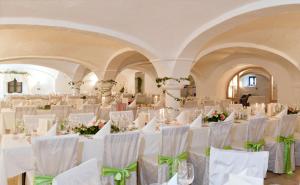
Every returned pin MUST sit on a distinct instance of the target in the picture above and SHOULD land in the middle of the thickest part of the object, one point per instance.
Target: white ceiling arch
(66, 66)
(197, 39)
(127, 39)
(246, 45)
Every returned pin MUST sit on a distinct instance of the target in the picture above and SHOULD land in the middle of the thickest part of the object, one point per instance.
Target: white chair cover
(235, 107)
(121, 118)
(120, 150)
(61, 111)
(31, 122)
(225, 162)
(26, 110)
(244, 180)
(174, 141)
(86, 173)
(48, 149)
(285, 127)
(81, 118)
(94, 108)
(255, 133)
(218, 137)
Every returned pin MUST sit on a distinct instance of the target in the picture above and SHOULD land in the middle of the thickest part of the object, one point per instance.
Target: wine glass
(185, 174)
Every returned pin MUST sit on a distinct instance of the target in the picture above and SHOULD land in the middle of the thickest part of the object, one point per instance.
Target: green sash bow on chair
(287, 142)
(120, 175)
(172, 162)
(43, 180)
(255, 146)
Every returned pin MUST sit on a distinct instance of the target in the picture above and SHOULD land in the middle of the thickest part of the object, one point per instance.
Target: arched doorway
(254, 81)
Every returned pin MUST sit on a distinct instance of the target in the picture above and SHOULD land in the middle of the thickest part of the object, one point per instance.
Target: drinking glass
(185, 174)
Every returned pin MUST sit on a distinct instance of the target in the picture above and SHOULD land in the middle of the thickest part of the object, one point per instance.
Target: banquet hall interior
(137, 92)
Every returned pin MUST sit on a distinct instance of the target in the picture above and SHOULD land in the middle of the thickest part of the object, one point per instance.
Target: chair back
(120, 150)
(81, 118)
(54, 154)
(286, 125)
(256, 129)
(219, 134)
(174, 140)
(121, 118)
(31, 122)
(85, 173)
(225, 162)
(24, 110)
(61, 111)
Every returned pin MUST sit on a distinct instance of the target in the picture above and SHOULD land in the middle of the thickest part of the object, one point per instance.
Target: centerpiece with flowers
(93, 128)
(216, 117)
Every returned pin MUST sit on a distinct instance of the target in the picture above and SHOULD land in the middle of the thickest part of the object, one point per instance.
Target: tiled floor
(283, 179)
(271, 179)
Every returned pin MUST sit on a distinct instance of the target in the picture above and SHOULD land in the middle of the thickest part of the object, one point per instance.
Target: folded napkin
(52, 131)
(182, 118)
(197, 122)
(139, 122)
(105, 130)
(230, 117)
(151, 126)
(132, 104)
(173, 180)
(282, 113)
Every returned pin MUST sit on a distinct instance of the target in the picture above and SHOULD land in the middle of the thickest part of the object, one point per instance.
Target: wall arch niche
(256, 81)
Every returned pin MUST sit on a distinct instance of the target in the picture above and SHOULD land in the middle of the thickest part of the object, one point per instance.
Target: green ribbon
(43, 180)
(172, 162)
(287, 142)
(207, 150)
(255, 146)
(120, 175)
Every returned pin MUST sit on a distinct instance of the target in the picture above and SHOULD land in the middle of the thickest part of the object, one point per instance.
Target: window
(252, 81)
(14, 86)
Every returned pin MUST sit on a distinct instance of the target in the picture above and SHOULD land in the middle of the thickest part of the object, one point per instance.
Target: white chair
(81, 118)
(31, 122)
(283, 136)
(52, 156)
(121, 153)
(174, 144)
(222, 163)
(121, 118)
(218, 137)
(61, 111)
(86, 173)
(254, 136)
(26, 110)
(95, 108)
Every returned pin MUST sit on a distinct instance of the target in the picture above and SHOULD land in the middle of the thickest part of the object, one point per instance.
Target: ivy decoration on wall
(160, 82)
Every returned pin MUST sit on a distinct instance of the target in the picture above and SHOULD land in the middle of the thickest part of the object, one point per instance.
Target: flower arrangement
(216, 117)
(162, 82)
(93, 128)
(292, 111)
(75, 85)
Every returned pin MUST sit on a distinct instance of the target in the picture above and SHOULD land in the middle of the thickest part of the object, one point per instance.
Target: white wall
(61, 84)
(127, 79)
(90, 81)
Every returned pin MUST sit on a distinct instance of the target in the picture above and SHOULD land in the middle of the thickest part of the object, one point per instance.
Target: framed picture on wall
(14, 86)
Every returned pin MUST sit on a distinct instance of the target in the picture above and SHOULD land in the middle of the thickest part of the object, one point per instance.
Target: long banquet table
(16, 154)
